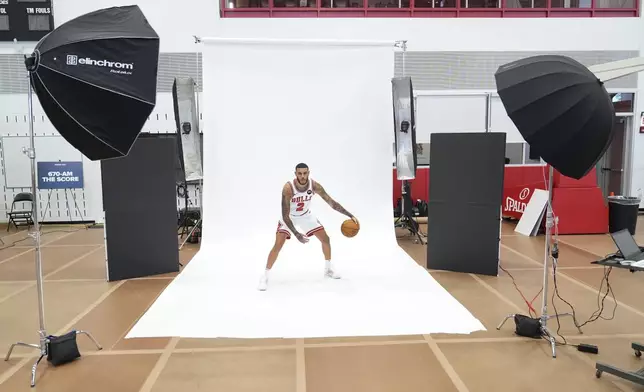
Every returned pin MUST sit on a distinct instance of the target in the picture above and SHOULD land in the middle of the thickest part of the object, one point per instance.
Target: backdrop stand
(44, 339)
(551, 250)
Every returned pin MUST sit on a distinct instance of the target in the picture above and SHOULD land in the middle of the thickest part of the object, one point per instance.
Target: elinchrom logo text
(115, 66)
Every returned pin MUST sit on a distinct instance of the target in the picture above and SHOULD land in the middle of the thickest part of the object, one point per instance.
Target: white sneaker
(330, 273)
(263, 283)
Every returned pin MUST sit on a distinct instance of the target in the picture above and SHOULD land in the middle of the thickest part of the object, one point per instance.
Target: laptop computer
(627, 245)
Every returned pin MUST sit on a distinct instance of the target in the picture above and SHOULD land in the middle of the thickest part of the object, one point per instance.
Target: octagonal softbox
(560, 108)
(96, 79)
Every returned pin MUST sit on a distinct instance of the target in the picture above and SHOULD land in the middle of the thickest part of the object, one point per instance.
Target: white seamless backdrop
(265, 114)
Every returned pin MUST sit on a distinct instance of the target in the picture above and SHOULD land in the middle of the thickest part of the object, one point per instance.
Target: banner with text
(60, 175)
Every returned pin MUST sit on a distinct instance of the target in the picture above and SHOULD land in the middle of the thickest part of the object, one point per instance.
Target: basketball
(349, 228)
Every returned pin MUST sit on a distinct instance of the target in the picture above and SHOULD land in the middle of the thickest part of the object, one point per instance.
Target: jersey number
(300, 207)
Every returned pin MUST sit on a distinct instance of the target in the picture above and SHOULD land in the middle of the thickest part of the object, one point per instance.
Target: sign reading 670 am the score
(60, 175)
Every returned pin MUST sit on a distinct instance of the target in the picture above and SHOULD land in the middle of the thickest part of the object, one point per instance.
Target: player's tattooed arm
(287, 194)
(319, 189)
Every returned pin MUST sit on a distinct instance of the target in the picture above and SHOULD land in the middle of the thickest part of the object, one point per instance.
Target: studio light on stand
(562, 110)
(95, 77)
(186, 114)
(405, 146)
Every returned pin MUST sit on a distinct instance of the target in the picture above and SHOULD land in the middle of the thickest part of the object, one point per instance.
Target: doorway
(611, 167)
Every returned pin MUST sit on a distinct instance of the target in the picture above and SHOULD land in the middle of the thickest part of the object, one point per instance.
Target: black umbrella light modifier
(560, 108)
(96, 79)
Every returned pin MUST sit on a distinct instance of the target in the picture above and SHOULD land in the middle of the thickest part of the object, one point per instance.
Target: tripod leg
(574, 320)
(37, 347)
(89, 335)
(509, 316)
(550, 337)
(189, 234)
(420, 238)
(33, 371)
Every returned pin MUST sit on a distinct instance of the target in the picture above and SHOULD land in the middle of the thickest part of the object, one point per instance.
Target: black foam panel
(139, 199)
(465, 197)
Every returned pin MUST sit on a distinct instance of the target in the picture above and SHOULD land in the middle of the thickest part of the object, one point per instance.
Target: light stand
(198, 224)
(551, 250)
(184, 225)
(44, 339)
(406, 219)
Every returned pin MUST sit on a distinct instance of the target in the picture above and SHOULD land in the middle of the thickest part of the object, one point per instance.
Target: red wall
(514, 176)
(578, 204)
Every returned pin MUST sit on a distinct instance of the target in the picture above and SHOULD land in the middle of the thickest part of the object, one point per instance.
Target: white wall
(462, 34)
(177, 23)
(15, 107)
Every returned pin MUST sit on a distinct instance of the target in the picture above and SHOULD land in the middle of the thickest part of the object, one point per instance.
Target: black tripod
(184, 216)
(406, 219)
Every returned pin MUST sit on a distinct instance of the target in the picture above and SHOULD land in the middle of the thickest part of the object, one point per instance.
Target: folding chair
(21, 217)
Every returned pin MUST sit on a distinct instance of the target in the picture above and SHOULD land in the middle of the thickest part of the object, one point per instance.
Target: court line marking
(76, 280)
(364, 343)
(26, 286)
(136, 319)
(512, 339)
(574, 353)
(300, 366)
(7, 374)
(590, 267)
(32, 248)
(154, 374)
(12, 370)
(578, 283)
(91, 307)
(4, 236)
(74, 261)
(579, 248)
(52, 227)
(227, 349)
(32, 283)
(26, 357)
(58, 246)
(497, 293)
(441, 341)
(447, 366)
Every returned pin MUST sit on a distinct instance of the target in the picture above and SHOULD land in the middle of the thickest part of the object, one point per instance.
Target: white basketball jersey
(301, 201)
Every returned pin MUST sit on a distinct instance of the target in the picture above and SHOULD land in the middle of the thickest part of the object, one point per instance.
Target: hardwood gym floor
(77, 296)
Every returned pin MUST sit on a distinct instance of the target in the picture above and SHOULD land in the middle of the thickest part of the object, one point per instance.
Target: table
(635, 376)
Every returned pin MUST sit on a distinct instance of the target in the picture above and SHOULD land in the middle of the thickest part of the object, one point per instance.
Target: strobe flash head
(404, 126)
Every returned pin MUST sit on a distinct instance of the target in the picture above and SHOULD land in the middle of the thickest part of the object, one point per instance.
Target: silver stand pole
(43, 337)
(551, 251)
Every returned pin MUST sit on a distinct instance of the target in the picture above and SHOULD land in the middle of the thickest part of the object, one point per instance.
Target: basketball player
(296, 198)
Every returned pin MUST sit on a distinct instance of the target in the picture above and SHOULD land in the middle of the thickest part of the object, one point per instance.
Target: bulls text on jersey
(301, 199)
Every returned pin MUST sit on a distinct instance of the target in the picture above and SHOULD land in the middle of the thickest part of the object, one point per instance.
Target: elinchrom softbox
(96, 79)
(560, 108)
